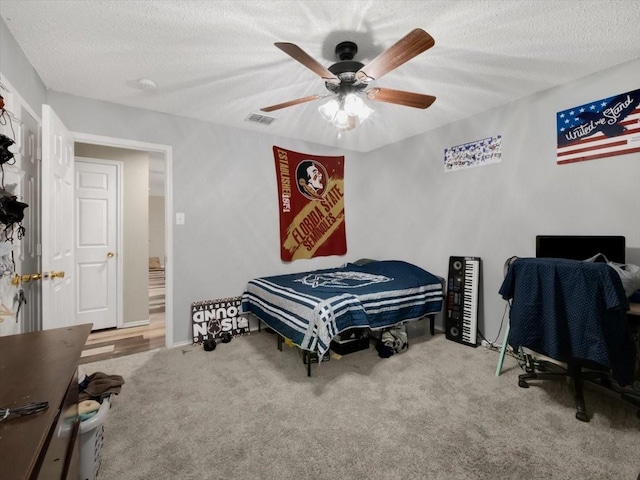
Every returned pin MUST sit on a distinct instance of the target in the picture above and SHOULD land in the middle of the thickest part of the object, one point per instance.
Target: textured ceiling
(215, 60)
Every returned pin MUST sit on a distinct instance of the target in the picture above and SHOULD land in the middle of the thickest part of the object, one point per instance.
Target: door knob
(57, 274)
(110, 255)
(18, 279)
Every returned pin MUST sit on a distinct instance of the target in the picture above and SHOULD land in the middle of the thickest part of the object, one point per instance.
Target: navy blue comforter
(310, 308)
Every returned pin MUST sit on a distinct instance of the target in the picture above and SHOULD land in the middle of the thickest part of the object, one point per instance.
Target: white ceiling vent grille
(258, 118)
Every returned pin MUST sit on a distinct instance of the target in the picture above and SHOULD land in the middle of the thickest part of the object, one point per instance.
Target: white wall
(496, 211)
(399, 202)
(224, 183)
(156, 227)
(19, 71)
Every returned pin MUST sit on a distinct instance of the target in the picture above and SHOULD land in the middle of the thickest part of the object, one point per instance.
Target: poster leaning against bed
(311, 204)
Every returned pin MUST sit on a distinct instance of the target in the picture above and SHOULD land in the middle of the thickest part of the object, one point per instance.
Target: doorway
(154, 329)
(24, 126)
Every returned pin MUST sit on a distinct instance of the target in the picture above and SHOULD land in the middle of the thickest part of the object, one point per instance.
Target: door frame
(167, 151)
(118, 226)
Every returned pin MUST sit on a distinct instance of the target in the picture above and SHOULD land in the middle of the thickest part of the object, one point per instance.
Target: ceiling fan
(347, 80)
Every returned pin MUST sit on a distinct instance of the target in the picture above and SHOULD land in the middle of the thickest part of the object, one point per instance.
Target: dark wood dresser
(37, 367)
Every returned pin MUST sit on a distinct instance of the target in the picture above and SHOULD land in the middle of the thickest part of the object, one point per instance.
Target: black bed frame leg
(432, 326)
(280, 341)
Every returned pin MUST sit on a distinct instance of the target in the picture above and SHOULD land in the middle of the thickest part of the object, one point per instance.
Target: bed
(311, 308)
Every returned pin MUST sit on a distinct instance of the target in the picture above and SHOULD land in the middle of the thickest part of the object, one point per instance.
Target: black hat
(11, 210)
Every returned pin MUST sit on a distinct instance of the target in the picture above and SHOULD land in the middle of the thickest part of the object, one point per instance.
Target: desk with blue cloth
(576, 313)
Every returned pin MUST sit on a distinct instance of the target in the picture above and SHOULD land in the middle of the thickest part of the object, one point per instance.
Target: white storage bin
(91, 440)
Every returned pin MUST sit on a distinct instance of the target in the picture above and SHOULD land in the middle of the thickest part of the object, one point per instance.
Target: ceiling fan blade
(304, 58)
(409, 46)
(408, 99)
(291, 103)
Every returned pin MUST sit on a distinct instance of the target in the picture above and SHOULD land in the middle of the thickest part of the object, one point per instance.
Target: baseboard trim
(140, 323)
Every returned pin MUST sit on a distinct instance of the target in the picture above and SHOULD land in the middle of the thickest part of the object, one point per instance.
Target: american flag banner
(599, 129)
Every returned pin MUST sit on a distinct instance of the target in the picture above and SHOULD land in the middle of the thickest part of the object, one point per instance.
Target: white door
(96, 193)
(20, 258)
(29, 312)
(57, 223)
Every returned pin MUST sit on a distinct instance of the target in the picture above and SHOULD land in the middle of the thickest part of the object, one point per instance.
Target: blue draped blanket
(311, 308)
(568, 309)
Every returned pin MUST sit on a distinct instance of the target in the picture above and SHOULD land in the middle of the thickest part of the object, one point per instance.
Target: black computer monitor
(581, 247)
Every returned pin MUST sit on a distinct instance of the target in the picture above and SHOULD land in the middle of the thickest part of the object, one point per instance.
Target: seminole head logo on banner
(311, 200)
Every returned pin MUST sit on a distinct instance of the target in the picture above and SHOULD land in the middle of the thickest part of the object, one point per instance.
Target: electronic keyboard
(461, 323)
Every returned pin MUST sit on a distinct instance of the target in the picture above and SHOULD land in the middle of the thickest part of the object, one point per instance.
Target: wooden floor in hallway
(118, 342)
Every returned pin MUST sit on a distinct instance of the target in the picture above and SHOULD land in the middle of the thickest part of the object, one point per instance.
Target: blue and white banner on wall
(599, 129)
(473, 154)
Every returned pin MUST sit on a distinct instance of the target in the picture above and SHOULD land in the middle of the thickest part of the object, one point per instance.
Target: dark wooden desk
(36, 367)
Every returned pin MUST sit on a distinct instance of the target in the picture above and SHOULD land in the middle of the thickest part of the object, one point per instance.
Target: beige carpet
(248, 411)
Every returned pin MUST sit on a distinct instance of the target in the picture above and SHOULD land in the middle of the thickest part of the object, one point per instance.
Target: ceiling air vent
(263, 119)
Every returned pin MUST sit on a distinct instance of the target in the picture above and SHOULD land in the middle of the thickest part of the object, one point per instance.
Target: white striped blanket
(311, 308)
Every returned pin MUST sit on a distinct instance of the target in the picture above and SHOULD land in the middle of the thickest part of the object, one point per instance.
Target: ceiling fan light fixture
(364, 112)
(341, 120)
(355, 106)
(340, 112)
(328, 110)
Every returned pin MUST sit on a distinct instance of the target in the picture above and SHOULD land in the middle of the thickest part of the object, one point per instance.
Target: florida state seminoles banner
(311, 199)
